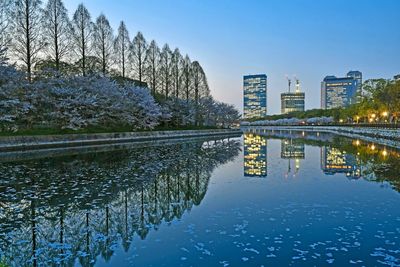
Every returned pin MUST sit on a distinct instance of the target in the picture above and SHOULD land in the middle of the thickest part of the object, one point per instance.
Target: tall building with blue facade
(357, 75)
(254, 96)
(338, 92)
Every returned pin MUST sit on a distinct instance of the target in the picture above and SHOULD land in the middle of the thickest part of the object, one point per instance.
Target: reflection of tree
(81, 206)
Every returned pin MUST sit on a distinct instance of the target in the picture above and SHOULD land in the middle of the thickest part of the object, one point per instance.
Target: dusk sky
(232, 38)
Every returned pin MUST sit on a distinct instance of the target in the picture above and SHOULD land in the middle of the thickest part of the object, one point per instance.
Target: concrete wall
(12, 143)
(390, 137)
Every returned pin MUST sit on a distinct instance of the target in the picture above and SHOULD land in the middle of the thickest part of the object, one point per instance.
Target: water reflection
(334, 160)
(292, 149)
(255, 155)
(111, 205)
(58, 210)
(354, 158)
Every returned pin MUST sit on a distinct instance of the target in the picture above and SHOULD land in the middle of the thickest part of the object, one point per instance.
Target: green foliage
(312, 113)
(3, 263)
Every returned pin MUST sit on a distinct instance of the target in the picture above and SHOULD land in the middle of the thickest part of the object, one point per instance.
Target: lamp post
(372, 118)
(385, 115)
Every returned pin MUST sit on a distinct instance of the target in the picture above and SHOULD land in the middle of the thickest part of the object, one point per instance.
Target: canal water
(267, 198)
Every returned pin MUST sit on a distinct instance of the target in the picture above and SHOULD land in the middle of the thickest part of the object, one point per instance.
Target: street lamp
(385, 114)
(357, 118)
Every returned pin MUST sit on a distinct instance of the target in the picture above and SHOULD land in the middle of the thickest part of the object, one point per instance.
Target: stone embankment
(15, 143)
(385, 136)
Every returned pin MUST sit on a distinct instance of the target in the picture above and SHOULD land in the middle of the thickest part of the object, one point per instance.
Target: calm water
(263, 199)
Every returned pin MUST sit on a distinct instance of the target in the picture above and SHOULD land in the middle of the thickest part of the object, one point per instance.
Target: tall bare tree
(57, 31)
(152, 66)
(122, 46)
(200, 87)
(165, 69)
(103, 42)
(82, 34)
(139, 48)
(5, 18)
(187, 77)
(27, 41)
(176, 71)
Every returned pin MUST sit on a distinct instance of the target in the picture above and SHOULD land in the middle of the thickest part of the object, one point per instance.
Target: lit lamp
(385, 114)
(357, 118)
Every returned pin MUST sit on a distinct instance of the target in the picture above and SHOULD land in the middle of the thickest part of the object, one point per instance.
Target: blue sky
(232, 38)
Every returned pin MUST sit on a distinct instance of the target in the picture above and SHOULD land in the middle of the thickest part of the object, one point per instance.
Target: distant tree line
(43, 42)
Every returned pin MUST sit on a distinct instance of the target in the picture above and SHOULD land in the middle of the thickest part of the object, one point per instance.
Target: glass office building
(291, 102)
(357, 75)
(254, 96)
(338, 92)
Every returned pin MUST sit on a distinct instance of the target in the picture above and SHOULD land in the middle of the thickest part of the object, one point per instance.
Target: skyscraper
(255, 96)
(292, 101)
(357, 75)
(338, 92)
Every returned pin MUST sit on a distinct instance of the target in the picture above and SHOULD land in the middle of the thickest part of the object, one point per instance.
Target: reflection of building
(255, 96)
(255, 155)
(292, 149)
(292, 101)
(338, 92)
(334, 161)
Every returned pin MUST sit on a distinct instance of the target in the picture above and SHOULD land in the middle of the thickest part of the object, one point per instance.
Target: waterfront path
(15, 143)
(385, 136)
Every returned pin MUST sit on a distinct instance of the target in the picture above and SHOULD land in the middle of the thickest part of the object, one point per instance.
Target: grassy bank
(52, 131)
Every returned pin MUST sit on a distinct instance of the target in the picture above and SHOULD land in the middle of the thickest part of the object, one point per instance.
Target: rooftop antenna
(289, 82)
(297, 84)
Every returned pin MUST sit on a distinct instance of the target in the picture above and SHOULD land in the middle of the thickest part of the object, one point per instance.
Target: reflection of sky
(277, 221)
(246, 222)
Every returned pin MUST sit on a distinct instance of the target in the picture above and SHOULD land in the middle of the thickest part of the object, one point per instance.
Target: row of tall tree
(37, 36)
(66, 63)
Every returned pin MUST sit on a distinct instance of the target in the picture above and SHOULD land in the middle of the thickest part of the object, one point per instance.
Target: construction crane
(289, 82)
(297, 84)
